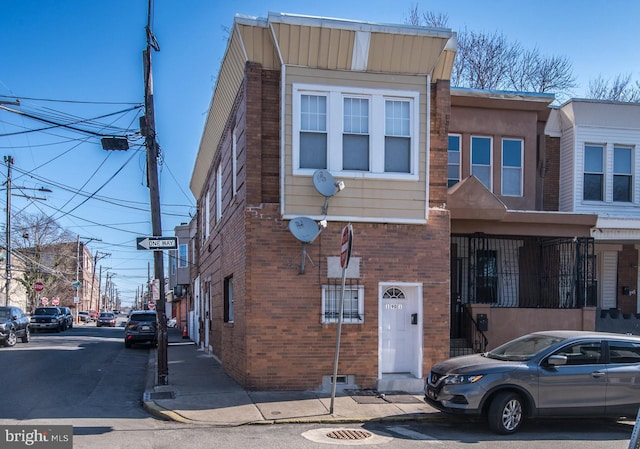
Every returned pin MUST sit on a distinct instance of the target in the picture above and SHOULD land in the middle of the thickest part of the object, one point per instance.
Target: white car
(172, 322)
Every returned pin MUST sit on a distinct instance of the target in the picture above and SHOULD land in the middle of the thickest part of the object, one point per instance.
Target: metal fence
(527, 272)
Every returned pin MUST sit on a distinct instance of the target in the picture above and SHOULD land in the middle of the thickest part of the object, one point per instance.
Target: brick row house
(369, 104)
(474, 213)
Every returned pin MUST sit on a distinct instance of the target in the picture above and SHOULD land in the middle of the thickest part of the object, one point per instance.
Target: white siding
(567, 171)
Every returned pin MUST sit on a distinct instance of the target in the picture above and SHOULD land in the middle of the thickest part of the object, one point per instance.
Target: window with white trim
(453, 165)
(593, 189)
(182, 256)
(481, 166)
(218, 193)
(512, 155)
(234, 162)
(622, 174)
(368, 131)
(353, 310)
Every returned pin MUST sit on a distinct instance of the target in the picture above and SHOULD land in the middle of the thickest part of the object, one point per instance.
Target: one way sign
(156, 243)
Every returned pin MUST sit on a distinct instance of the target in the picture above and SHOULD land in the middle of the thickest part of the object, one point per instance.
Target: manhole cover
(348, 434)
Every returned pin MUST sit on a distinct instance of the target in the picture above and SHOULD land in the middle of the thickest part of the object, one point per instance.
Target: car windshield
(45, 311)
(523, 348)
(4, 314)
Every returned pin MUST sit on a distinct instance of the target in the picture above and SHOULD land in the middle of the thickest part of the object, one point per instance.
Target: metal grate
(349, 434)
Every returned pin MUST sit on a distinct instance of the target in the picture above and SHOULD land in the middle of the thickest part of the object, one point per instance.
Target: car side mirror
(557, 360)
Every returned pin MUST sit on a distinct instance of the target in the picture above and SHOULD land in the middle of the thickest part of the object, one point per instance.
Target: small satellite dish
(324, 183)
(304, 229)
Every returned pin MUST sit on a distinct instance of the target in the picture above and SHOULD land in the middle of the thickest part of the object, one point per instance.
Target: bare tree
(618, 89)
(46, 252)
(491, 61)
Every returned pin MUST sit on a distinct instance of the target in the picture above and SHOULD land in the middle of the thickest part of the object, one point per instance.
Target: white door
(400, 330)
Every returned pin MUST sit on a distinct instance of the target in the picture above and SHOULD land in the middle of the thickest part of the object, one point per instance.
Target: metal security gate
(527, 272)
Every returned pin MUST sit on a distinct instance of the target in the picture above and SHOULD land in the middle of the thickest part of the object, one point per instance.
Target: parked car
(141, 327)
(47, 318)
(543, 374)
(14, 324)
(106, 319)
(68, 317)
(84, 317)
(93, 314)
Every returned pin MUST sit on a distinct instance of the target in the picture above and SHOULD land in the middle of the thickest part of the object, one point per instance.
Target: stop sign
(38, 286)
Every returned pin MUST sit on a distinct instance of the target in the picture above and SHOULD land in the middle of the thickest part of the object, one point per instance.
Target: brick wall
(550, 176)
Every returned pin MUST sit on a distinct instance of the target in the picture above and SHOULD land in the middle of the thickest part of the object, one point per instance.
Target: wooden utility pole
(148, 129)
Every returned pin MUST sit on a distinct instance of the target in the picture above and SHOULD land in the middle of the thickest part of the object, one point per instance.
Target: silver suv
(554, 373)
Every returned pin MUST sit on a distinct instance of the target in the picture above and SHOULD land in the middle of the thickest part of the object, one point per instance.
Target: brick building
(302, 104)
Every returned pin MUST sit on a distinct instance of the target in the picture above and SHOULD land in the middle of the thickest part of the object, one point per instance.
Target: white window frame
(602, 173)
(459, 164)
(207, 215)
(520, 168)
(183, 259)
(490, 186)
(628, 174)
(335, 126)
(337, 289)
(234, 162)
(218, 193)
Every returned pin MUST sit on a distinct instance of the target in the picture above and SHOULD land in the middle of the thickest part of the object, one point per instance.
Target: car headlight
(3, 326)
(457, 379)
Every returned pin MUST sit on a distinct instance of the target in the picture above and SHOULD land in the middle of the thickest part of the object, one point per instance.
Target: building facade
(302, 107)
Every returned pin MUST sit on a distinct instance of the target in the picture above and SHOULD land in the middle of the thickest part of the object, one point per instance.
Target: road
(84, 377)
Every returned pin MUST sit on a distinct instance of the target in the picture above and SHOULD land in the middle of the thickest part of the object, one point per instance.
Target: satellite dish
(304, 229)
(324, 183)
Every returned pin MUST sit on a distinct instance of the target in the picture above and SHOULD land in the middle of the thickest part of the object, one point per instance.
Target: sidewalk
(200, 392)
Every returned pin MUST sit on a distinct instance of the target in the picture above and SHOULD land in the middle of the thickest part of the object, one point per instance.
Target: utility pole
(149, 131)
(9, 161)
(93, 276)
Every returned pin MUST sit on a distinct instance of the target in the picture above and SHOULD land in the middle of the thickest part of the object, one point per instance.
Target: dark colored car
(141, 327)
(47, 318)
(543, 374)
(14, 324)
(68, 317)
(106, 319)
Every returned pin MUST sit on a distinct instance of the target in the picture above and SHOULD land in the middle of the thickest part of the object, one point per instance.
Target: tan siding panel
(387, 199)
(404, 54)
(315, 46)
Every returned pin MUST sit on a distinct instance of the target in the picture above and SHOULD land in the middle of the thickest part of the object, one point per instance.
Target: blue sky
(86, 55)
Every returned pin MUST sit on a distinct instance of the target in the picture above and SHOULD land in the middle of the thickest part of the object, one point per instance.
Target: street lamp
(9, 161)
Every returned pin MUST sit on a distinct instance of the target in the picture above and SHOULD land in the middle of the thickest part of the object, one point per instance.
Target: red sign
(345, 245)
(44, 301)
(38, 286)
(55, 301)
(151, 305)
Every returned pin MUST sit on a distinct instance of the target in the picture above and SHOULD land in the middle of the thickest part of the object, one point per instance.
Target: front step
(404, 382)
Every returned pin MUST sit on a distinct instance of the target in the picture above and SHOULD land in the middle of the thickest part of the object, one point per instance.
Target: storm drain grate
(348, 434)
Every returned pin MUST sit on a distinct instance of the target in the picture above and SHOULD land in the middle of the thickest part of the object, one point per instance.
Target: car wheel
(11, 338)
(26, 338)
(506, 413)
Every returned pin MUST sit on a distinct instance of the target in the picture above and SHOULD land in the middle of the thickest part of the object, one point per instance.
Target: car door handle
(598, 374)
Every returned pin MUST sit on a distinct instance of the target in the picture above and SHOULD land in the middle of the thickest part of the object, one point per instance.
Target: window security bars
(353, 307)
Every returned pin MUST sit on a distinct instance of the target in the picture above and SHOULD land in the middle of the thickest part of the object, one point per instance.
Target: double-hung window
(481, 166)
(313, 131)
(353, 310)
(397, 140)
(371, 132)
(182, 256)
(512, 167)
(355, 140)
(593, 173)
(622, 174)
(453, 167)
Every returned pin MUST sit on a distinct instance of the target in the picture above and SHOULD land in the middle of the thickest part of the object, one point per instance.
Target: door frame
(415, 288)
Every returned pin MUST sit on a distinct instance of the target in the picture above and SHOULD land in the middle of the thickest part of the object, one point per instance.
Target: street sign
(38, 286)
(156, 243)
(76, 284)
(345, 245)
